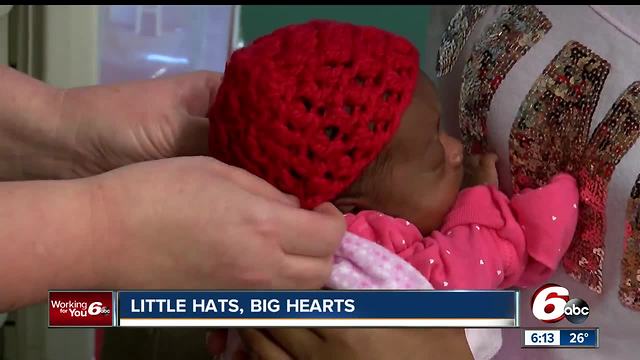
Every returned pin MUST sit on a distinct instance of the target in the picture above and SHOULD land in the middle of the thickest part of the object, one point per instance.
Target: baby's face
(422, 170)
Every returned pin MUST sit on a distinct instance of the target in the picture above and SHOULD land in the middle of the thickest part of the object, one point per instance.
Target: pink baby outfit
(487, 241)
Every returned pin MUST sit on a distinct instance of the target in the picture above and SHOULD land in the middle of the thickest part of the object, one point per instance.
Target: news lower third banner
(326, 308)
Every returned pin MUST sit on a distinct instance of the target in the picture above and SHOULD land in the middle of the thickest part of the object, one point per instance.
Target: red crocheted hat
(309, 106)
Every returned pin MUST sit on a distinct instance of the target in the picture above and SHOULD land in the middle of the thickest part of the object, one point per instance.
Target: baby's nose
(452, 148)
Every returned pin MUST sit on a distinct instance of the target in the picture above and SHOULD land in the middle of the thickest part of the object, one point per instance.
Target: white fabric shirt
(613, 32)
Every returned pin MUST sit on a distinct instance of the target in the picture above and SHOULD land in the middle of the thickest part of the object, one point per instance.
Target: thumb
(328, 209)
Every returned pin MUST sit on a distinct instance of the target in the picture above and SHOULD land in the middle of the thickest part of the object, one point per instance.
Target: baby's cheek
(446, 198)
(451, 186)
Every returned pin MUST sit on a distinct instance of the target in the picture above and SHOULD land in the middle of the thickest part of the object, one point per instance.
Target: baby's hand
(480, 170)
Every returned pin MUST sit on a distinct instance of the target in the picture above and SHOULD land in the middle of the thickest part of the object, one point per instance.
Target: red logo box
(81, 308)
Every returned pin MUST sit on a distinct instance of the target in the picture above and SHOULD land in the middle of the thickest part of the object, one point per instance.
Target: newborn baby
(336, 112)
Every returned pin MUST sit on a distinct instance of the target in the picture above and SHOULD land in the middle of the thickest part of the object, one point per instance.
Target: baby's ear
(352, 204)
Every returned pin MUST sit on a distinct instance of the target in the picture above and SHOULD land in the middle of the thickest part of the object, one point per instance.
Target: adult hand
(51, 133)
(121, 124)
(370, 344)
(194, 222)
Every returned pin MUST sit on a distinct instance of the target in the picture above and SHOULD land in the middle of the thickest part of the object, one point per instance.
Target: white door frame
(70, 45)
(4, 33)
(57, 44)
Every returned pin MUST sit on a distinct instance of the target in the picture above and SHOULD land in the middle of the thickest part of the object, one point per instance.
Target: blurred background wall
(409, 21)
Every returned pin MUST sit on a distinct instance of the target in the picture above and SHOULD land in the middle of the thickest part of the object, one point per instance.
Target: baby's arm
(482, 242)
(549, 216)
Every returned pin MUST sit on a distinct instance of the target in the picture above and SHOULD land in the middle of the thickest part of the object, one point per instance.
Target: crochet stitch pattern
(310, 106)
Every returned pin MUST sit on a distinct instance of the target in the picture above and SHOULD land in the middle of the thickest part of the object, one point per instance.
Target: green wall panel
(409, 21)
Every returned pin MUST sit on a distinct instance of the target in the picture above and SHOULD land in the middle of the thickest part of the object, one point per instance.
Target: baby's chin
(433, 219)
(430, 222)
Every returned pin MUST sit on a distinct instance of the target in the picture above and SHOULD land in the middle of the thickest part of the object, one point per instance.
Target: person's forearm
(34, 144)
(50, 238)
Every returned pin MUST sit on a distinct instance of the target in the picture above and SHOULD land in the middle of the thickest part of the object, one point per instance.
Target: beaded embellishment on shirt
(629, 291)
(613, 137)
(517, 29)
(553, 122)
(455, 36)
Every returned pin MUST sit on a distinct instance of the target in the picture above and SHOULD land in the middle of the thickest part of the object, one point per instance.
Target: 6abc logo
(96, 308)
(551, 303)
